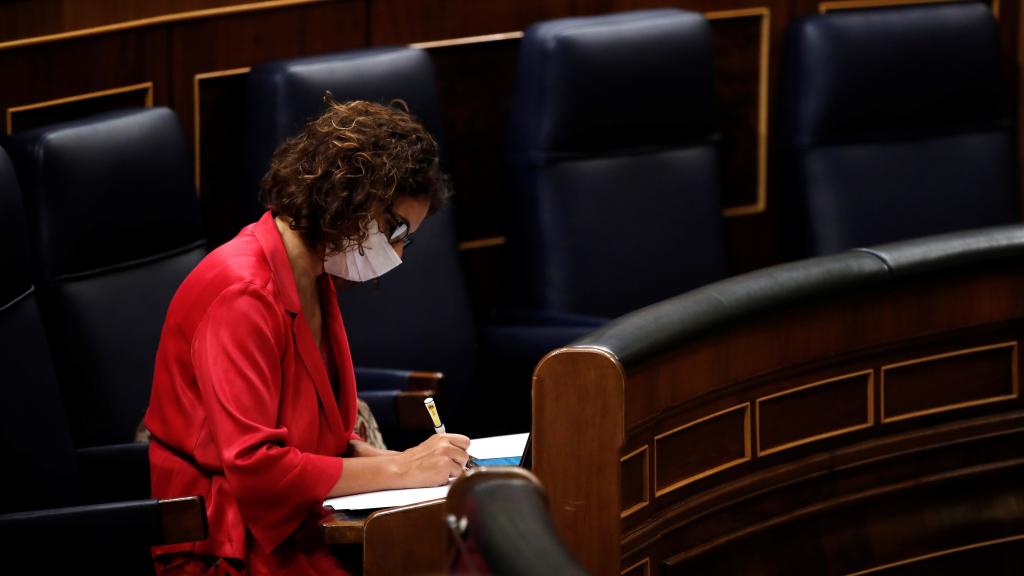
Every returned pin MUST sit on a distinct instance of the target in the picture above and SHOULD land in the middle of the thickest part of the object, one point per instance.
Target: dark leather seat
(503, 517)
(48, 492)
(613, 137)
(417, 317)
(896, 123)
(115, 228)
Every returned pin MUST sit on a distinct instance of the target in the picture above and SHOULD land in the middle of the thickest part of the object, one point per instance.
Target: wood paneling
(21, 118)
(701, 447)
(957, 379)
(842, 490)
(171, 43)
(403, 22)
(814, 411)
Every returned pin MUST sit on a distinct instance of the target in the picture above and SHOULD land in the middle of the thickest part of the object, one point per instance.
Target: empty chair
(502, 519)
(895, 124)
(115, 227)
(52, 497)
(613, 150)
(418, 316)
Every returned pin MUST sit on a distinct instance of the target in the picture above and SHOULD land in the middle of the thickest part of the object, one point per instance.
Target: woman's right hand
(433, 462)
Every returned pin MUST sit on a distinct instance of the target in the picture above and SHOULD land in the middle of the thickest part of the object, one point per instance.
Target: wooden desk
(829, 417)
(402, 540)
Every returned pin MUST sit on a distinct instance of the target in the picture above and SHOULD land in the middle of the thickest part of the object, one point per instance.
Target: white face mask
(376, 257)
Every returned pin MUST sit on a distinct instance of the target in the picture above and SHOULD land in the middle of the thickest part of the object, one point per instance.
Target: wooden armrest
(426, 381)
(411, 413)
(182, 519)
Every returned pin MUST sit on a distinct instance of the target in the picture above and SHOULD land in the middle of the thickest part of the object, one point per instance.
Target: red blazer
(242, 410)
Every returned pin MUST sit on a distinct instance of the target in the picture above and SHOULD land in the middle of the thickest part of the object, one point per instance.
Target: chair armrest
(396, 399)
(114, 473)
(505, 514)
(390, 379)
(108, 526)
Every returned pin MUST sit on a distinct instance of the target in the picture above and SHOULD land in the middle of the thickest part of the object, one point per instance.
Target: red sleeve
(237, 353)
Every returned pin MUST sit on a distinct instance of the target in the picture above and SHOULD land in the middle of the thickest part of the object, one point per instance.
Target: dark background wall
(61, 59)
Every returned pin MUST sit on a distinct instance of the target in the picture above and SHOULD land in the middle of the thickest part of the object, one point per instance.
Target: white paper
(491, 447)
(498, 446)
(387, 498)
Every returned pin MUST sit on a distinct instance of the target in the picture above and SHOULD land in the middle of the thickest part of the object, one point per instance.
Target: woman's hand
(429, 464)
(432, 463)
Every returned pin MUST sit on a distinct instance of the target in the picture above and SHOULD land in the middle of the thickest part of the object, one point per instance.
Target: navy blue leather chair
(418, 316)
(613, 149)
(115, 227)
(53, 497)
(895, 124)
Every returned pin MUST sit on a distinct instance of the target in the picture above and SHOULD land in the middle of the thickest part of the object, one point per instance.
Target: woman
(254, 398)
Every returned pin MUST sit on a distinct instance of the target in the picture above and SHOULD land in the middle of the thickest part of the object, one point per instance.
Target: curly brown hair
(348, 166)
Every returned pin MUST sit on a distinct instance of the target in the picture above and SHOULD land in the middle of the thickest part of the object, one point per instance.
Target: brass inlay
(824, 7)
(147, 86)
(938, 554)
(467, 40)
(153, 20)
(867, 424)
(746, 449)
(482, 243)
(647, 481)
(646, 563)
(195, 110)
(761, 204)
(1011, 396)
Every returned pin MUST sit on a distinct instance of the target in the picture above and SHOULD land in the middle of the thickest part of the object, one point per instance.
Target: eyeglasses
(400, 232)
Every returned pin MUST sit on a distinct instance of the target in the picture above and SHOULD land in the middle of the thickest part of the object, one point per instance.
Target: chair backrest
(418, 316)
(507, 526)
(39, 462)
(115, 227)
(896, 124)
(613, 147)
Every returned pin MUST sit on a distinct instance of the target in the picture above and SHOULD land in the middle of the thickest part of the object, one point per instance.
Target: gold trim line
(153, 20)
(647, 481)
(1013, 376)
(870, 411)
(946, 552)
(482, 243)
(689, 479)
(761, 204)
(646, 563)
(824, 7)
(467, 40)
(148, 86)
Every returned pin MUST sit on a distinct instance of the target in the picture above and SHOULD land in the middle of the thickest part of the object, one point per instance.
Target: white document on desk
(491, 447)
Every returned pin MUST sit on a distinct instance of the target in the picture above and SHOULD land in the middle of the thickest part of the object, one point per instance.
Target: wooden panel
(54, 20)
(21, 118)
(700, 448)
(814, 411)
(741, 51)
(219, 120)
(403, 22)
(635, 481)
(59, 71)
(957, 379)
(585, 507)
(642, 568)
(475, 82)
(209, 54)
(1007, 553)
(418, 531)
